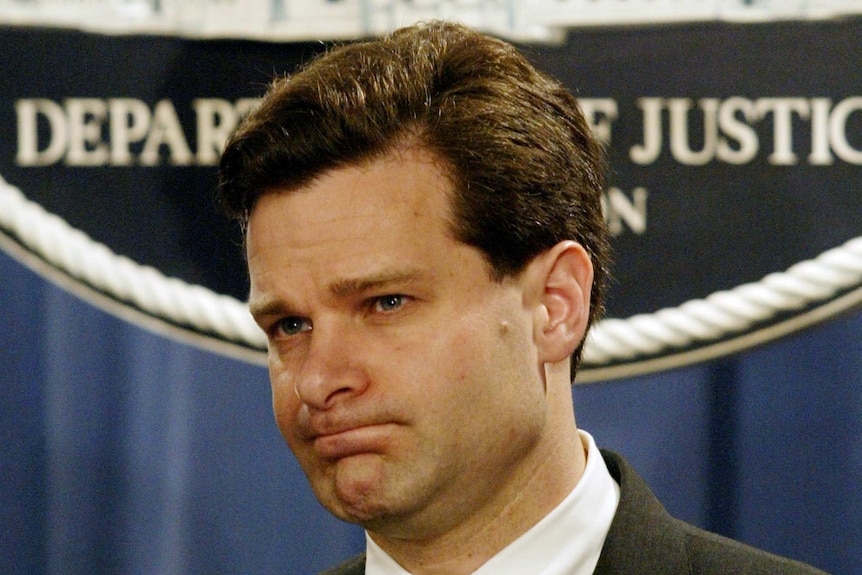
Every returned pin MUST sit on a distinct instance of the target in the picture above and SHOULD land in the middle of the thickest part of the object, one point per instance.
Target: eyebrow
(266, 308)
(343, 288)
(352, 286)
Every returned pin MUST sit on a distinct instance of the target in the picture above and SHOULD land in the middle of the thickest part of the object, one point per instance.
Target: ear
(562, 279)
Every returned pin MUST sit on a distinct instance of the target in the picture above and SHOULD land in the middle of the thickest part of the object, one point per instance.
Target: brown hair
(526, 169)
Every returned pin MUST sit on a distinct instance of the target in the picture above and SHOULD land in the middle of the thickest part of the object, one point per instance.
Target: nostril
(323, 381)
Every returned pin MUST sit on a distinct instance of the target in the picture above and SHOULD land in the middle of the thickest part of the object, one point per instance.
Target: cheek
(496, 367)
(285, 403)
(462, 372)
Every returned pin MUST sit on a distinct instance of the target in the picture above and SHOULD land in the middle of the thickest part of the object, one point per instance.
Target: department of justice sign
(735, 153)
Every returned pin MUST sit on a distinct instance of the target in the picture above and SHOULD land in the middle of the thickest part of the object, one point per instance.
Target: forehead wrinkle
(266, 306)
(350, 286)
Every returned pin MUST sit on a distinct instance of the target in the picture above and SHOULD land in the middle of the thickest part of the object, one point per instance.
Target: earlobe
(565, 274)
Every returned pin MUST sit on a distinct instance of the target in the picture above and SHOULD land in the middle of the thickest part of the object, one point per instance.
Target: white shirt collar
(568, 541)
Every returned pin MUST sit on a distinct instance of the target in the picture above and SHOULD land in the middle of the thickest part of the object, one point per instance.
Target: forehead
(410, 179)
(347, 220)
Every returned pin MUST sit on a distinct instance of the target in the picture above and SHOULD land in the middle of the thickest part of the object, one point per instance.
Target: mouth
(352, 441)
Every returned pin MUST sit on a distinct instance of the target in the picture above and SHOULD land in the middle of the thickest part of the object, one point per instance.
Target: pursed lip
(350, 440)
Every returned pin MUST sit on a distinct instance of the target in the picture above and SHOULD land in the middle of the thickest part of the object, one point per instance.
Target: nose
(331, 369)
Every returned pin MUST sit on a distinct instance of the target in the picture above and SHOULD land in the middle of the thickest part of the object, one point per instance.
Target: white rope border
(729, 311)
(74, 252)
(611, 340)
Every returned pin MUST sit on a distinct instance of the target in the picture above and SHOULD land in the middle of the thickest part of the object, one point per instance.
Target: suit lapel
(643, 538)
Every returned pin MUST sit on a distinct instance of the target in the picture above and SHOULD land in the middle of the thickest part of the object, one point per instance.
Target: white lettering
(737, 130)
(838, 130)
(86, 117)
(600, 113)
(820, 152)
(166, 131)
(620, 211)
(28, 113)
(216, 119)
(130, 121)
(782, 110)
(649, 151)
(122, 131)
(730, 130)
(679, 134)
(127, 131)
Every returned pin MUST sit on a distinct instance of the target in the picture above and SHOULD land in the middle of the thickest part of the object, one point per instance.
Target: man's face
(404, 379)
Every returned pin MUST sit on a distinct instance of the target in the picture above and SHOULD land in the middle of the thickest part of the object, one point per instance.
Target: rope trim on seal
(611, 341)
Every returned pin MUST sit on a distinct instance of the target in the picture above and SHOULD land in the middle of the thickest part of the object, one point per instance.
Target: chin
(365, 512)
(356, 490)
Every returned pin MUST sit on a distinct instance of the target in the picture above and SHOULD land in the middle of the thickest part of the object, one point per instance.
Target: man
(426, 253)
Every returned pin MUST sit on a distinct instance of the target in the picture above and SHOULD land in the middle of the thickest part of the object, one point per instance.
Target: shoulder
(353, 566)
(645, 538)
(711, 553)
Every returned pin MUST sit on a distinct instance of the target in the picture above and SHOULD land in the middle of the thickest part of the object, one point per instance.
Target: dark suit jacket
(645, 540)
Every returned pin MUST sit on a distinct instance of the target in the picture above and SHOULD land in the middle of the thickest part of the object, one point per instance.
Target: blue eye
(389, 302)
(292, 325)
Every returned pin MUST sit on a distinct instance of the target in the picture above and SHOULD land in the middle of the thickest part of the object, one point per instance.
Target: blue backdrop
(124, 451)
